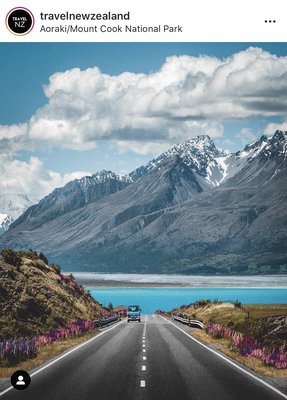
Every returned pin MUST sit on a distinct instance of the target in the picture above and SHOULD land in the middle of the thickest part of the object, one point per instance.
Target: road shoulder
(278, 383)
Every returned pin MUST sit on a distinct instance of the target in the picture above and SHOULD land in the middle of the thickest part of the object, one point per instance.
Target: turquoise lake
(166, 298)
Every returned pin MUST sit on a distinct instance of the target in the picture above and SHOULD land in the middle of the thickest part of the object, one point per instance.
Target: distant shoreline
(91, 283)
(93, 280)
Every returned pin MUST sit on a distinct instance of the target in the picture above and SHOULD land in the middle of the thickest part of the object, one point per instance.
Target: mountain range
(12, 205)
(194, 209)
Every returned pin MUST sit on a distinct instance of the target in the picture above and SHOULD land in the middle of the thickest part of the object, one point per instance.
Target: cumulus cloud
(186, 96)
(272, 127)
(247, 135)
(31, 177)
(143, 113)
(13, 131)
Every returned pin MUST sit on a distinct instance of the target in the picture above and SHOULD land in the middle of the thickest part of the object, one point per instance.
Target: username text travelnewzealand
(67, 16)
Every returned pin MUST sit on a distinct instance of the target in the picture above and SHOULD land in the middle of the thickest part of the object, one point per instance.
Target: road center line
(144, 358)
(142, 383)
(143, 367)
(229, 361)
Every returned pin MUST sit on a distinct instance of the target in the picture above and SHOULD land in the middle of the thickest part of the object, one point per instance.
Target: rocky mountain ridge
(168, 221)
(211, 167)
(74, 195)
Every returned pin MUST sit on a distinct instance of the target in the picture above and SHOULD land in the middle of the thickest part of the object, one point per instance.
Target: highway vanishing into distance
(154, 359)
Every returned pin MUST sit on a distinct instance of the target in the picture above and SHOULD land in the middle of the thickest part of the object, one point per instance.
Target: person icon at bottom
(20, 380)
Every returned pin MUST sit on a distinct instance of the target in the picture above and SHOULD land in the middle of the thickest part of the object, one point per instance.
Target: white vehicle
(134, 313)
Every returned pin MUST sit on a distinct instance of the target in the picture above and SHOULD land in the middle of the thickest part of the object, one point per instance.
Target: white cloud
(31, 178)
(247, 135)
(187, 96)
(142, 148)
(142, 113)
(272, 127)
(13, 131)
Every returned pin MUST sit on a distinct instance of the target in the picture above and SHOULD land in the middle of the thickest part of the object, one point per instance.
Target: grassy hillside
(36, 297)
(265, 322)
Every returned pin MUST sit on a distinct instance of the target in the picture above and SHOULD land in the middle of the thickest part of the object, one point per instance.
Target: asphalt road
(149, 360)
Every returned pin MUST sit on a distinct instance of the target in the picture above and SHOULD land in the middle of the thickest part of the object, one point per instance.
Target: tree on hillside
(43, 258)
(11, 257)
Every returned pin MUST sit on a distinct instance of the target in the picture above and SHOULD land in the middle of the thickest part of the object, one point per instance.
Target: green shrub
(56, 267)
(237, 304)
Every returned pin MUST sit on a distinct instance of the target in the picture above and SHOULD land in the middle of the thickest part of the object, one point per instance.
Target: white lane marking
(229, 361)
(144, 358)
(143, 341)
(66, 354)
(143, 345)
(142, 383)
(143, 367)
(144, 350)
(144, 330)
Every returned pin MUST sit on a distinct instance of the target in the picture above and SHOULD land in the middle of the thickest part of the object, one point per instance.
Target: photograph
(143, 220)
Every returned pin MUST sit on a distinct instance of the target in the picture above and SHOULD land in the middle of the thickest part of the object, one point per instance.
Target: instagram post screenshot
(143, 200)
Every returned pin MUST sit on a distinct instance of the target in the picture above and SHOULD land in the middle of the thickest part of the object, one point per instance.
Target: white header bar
(149, 21)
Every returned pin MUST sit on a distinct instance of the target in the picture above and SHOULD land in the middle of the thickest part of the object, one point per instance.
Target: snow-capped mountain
(11, 207)
(199, 154)
(102, 177)
(5, 221)
(74, 195)
(232, 163)
(211, 166)
(276, 146)
(195, 209)
(194, 166)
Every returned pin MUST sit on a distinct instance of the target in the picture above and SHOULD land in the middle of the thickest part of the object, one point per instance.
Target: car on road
(134, 313)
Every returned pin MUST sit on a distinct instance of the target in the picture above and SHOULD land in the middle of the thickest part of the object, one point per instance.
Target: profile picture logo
(20, 21)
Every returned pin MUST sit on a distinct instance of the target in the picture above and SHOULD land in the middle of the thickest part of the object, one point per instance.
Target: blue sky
(166, 113)
(25, 67)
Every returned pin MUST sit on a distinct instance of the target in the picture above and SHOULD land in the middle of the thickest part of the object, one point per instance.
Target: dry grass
(36, 299)
(221, 313)
(226, 312)
(46, 353)
(250, 362)
(265, 310)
